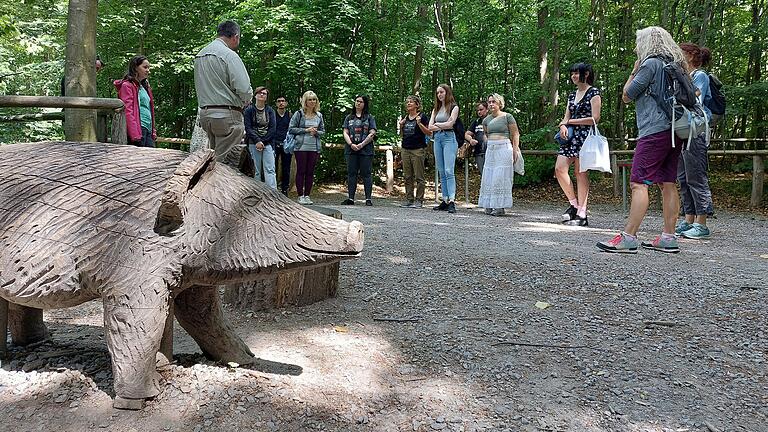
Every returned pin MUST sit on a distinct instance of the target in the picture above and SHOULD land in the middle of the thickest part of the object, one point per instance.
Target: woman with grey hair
(656, 156)
(503, 138)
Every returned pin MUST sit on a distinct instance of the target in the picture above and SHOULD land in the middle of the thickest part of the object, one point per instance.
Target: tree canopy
(390, 49)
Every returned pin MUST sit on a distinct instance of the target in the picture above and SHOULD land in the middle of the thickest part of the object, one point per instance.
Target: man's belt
(229, 107)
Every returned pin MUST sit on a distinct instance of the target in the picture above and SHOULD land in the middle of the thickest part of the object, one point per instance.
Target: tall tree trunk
(145, 30)
(549, 65)
(757, 62)
(80, 72)
(374, 53)
(441, 32)
(706, 17)
(375, 41)
(418, 63)
(626, 41)
(542, 15)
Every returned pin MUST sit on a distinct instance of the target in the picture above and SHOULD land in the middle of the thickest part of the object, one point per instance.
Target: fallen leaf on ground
(542, 305)
(341, 329)
(764, 256)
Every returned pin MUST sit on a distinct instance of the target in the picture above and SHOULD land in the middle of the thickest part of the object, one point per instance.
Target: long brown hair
(449, 102)
(133, 68)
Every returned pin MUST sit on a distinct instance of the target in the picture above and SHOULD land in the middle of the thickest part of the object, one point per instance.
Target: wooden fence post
(390, 170)
(615, 173)
(758, 171)
(119, 128)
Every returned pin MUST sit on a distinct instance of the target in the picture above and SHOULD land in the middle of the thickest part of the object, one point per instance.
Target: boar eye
(251, 201)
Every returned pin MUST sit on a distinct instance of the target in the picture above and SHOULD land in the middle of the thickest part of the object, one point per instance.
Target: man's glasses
(262, 93)
(280, 100)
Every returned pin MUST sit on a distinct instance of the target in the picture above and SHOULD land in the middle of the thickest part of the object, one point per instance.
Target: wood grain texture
(137, 227)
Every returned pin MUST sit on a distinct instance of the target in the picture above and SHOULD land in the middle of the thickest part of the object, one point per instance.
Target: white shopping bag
(519, 164)
(594, 154)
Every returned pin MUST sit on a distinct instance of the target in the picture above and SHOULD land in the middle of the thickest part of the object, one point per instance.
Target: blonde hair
(309, 94)
(498, 98)
(655, 41)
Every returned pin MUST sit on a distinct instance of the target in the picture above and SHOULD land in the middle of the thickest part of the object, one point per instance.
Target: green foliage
(341, 48)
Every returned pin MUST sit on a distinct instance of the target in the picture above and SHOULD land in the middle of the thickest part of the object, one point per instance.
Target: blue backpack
(290, 139)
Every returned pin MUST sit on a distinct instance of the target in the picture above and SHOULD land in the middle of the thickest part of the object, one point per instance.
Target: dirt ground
(646, 342)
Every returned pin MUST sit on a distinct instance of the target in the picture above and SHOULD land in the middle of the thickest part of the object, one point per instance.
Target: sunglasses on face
(280, 100)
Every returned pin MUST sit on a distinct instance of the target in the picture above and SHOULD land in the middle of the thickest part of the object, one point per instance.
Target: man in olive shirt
(223, 89)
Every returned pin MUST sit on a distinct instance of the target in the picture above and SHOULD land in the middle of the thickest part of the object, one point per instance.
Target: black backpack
(458, 129)
(679, 96)
(677, 86)
(716, 104)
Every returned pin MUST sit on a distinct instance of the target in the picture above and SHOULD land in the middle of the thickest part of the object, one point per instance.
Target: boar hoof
(127, 404)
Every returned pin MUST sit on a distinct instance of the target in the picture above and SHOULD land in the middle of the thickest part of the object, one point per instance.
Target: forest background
(389, 49)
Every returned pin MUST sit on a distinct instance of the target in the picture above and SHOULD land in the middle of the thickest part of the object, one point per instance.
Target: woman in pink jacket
(136, 94)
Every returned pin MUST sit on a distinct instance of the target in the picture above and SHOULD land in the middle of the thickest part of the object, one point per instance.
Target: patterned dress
(578, 110)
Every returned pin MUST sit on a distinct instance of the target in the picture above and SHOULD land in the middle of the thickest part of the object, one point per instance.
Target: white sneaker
(301, 200)
(307, 200)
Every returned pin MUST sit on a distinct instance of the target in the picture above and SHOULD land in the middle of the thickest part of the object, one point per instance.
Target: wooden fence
(119, 136)
(115, 107)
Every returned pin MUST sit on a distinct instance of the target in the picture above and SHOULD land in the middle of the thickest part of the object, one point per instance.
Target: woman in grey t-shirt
(503, 148)
(359, 132)
(444, 115)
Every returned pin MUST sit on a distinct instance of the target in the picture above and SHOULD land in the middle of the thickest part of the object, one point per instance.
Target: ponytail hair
(700, 56)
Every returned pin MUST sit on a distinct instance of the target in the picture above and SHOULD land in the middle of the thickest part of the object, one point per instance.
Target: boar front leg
(134, 321)
(198, 310)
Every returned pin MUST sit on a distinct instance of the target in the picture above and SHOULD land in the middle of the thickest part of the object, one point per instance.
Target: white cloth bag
(594, 154)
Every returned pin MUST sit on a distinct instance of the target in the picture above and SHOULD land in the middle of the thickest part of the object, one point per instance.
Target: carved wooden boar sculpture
(144, 230)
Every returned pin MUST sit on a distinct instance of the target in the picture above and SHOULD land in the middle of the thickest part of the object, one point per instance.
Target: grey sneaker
(619, 244)
(662, 245)
(682, 227)
(489, 211)
(497, 212)
(407, 204)
(417, 204)
(696, 231)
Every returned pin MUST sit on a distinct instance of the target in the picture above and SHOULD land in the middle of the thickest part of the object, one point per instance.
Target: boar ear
(170, 216)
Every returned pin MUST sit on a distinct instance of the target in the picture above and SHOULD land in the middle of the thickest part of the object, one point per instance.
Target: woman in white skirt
(503, 148)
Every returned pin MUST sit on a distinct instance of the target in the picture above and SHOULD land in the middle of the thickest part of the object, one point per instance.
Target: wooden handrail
(61, 102)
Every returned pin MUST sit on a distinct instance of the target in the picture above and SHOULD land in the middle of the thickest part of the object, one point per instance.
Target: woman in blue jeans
(260, 126)
(444, 115)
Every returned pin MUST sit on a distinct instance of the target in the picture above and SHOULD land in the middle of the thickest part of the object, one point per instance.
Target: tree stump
(298, 287)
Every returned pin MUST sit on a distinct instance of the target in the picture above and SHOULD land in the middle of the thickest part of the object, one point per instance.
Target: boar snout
(355, 238)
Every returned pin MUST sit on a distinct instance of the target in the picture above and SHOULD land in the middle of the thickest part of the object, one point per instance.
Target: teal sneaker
(661, 244)
(682, 227)
(696, 232)
(622, 243)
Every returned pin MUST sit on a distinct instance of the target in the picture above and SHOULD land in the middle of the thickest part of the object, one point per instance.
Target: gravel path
(646, 342)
